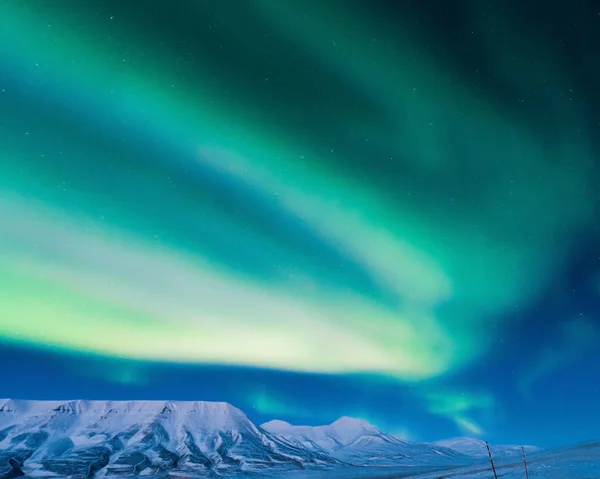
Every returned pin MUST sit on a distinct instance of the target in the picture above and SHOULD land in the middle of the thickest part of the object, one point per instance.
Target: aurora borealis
(306, 208)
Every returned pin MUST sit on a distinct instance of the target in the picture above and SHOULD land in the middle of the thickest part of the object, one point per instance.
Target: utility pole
(491, 460)
(525, 462)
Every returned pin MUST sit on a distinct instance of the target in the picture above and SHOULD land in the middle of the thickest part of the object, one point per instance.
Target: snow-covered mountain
(167, 439)
(336, 435)
(140, 438)
(357, 442)
(477, 448)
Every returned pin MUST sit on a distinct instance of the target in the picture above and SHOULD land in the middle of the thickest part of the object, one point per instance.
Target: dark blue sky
(308, 209)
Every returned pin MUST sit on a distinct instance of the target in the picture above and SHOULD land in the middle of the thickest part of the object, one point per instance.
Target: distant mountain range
(168, 439)
(357, 442)
(477, 448)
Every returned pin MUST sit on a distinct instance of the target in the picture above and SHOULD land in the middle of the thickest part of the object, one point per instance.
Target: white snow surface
(168, 439)
(574, 462)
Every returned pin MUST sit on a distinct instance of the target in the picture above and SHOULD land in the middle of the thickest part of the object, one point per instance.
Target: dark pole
(491, 460)
(525, 462)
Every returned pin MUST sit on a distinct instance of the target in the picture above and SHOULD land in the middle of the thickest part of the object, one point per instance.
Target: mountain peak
(216, 414)
(347, 421)
(350, 427)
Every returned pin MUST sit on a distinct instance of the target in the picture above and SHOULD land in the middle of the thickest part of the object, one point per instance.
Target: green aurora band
(346, 202)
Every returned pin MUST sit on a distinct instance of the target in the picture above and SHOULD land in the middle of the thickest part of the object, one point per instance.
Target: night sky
(309, 209)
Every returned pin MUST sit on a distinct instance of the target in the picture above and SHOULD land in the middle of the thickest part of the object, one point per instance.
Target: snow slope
(575, 462)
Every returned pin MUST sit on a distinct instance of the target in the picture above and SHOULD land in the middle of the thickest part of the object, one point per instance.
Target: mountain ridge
(357, 442)
(80, 438)
(161, 439)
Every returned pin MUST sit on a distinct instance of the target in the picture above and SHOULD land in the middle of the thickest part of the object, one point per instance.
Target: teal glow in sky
(349, 189)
